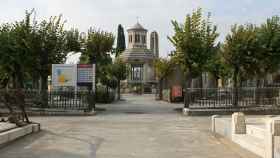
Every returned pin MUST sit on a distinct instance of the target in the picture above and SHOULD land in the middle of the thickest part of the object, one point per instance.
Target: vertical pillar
(238, 123)
(213, 123)
(273, 131)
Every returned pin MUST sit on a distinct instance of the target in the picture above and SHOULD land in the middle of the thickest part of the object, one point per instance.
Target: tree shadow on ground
(43, 144)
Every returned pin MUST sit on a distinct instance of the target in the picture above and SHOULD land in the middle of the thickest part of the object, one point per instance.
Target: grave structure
(140, 60)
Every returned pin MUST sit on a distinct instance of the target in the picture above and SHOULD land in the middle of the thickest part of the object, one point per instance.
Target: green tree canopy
(194, 41)
(239, 49)
(29, 47)
(120, 72)
(163, 68)
(98, 47)
(268, 55)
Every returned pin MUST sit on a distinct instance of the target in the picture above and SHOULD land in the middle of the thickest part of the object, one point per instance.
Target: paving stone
(139, 127)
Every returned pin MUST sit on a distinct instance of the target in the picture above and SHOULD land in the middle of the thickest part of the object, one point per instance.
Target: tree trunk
(44, 90)
(187, 85)
(235, 87)
(44, 60)
(119, 90)
(108, 93)
(216, 82)
(14, 81)
(35, 81)
(257, 91)
(19, 76)
(201, 85)
(160, 88)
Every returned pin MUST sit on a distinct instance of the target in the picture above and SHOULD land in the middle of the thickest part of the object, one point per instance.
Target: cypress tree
(120, 41)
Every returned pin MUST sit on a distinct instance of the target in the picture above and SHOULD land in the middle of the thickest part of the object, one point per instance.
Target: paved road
(136, 128)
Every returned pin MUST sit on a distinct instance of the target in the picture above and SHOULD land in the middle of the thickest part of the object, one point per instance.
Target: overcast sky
(154, 14)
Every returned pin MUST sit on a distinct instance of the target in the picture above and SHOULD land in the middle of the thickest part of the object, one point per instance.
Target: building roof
(137, 55)
(137, 26)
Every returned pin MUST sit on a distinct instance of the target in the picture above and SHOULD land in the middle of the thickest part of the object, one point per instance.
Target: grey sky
(154, 14)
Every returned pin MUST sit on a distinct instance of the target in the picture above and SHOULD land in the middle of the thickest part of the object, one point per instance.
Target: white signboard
(64, 75)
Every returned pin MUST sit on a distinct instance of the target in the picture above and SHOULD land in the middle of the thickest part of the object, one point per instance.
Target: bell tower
(137, 37)
(140, 60)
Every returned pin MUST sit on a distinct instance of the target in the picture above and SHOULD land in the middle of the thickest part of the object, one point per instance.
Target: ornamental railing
(55, 99)
(225, 98)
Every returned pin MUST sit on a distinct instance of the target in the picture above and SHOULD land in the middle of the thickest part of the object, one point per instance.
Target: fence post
(238, 123)
(186, 99)
(272, 134)
(91, 101)
(186, 103)
(235, 96)
(213, 123)
(44, 98)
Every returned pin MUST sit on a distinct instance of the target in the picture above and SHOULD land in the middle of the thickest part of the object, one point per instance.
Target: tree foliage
(28, 48)
(217, 66)
(268, 54)
(15, 41)
(194, 41)
(120, 41)
(238, 51)
(163, 68)
(53, 45)
(99, 44)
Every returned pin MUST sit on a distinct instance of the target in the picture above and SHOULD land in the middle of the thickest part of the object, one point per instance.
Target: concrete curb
(13, 134)
(210, 112)
(59, 113)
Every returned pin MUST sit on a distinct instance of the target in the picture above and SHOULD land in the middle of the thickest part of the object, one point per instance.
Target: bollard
(273, 130)
(213, 123)
(238, 123)
(185, 111)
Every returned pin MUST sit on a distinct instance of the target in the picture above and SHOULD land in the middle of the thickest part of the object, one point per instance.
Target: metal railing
(57, 99)
(224, 98)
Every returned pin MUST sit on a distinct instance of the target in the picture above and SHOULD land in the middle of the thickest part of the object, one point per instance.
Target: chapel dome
(137, 26)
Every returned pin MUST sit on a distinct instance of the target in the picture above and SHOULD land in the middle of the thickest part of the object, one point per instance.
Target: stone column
(144, 73)
(238, 124)
(272, 134)
(213, 123)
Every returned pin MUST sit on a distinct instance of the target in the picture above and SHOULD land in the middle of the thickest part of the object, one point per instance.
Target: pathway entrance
(140, 104)
(136, 128)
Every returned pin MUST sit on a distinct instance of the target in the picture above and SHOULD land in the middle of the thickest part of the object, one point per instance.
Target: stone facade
(154, 43)
(140, 60)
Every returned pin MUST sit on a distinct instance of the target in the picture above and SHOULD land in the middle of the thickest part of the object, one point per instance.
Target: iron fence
(223, 98)
(56, 99)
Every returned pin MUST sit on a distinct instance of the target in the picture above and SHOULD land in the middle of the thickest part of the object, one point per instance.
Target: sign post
(86, 77)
